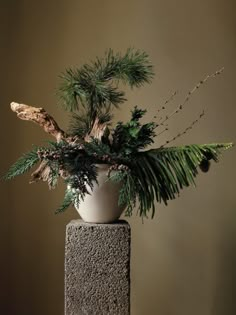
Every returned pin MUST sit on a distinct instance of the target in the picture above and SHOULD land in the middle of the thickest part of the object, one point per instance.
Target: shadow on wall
(189, 268)
(224, 299)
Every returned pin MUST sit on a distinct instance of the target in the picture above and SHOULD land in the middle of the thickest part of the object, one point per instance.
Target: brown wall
(183, 261)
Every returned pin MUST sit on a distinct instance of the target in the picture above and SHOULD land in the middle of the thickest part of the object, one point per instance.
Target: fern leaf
(165, 171)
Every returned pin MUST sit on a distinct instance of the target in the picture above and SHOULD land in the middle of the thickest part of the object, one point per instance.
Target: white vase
(101, 205)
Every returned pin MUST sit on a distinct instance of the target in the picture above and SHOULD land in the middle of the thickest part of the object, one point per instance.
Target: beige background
(183, 261)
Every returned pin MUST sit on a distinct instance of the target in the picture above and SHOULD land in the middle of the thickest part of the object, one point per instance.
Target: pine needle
(94, 86)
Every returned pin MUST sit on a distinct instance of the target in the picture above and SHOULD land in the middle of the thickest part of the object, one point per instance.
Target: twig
(185, 130)
(196, 87)
(161, 132)
(163, 107)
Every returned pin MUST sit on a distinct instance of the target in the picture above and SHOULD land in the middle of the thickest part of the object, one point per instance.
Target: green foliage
(53, 174)
(81, 124)
(68, 200)
(77, 185)
(160, 174)
(90, 93)
(94, 85)
(133, 136)
(23, 164)
(128, 193)
(97, 148)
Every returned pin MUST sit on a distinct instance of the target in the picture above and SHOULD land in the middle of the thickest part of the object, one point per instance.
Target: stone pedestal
(97, 268)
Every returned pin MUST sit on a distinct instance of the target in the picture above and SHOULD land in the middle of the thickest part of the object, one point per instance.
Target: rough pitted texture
(97, 268)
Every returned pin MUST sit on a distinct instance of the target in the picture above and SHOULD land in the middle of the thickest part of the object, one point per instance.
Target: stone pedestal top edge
(117, 223)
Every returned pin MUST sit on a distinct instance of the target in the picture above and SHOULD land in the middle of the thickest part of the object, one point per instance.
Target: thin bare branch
(161, 132)
(185, 130)
(195, 88)
(163, 107)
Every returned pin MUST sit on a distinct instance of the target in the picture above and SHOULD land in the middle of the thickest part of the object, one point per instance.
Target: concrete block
(97, 268)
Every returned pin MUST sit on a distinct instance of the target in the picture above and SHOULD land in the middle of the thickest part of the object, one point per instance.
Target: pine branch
(134, 68)
(94, 85)
(196, 149)
(23, 164)
(161, 173)
(79, 125)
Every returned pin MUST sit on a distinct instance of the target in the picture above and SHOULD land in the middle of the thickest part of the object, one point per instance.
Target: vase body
(101, 205)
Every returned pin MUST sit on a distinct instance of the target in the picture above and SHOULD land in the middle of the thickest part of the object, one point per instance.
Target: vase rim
(102, 166)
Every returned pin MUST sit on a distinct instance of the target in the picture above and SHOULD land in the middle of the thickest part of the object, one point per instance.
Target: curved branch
(40, 117)
(97, 131)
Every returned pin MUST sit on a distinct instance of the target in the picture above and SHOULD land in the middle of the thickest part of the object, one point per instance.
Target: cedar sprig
(23, 164)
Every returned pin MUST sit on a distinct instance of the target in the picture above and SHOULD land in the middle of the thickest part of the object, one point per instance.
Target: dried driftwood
(40, 116)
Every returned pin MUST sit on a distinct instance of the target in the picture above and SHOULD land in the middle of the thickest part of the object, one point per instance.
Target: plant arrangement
(89, 94)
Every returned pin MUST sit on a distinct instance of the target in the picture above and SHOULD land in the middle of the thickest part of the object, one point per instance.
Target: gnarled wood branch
(48, 123)
(97, 131)
(40, 117)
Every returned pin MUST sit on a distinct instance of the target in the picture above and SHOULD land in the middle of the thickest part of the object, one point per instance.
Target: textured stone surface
(97, 268)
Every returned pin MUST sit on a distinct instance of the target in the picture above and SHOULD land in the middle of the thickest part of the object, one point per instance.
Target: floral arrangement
(89, 94)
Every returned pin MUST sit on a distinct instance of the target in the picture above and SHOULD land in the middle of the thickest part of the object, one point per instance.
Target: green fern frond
(162, 173)
(127, 194)
(23, 164)
(213, 150)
